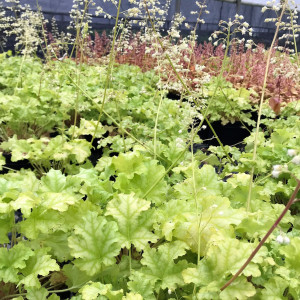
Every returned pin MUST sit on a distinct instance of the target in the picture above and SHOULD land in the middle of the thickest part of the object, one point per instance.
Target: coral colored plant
(245, 68)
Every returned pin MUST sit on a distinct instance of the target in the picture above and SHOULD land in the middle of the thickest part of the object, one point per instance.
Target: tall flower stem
(261, 103)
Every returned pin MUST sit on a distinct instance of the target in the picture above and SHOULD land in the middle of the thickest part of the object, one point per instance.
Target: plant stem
(294, 36)
(287, 207)
(156, 124)
(109, 70)
(185, 86)
(130, 258)
(261, 103)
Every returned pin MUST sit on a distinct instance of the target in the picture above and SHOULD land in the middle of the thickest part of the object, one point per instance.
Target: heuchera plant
(115, 202)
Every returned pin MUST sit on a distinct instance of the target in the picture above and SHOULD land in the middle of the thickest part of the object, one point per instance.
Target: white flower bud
(279, 239)
(286, 240)
(296, 160)
(291, 152)
(264, 9)
(277, 167)
(275, 174)
(169, 291)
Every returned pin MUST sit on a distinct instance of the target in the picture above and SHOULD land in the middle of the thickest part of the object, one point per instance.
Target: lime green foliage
(45, 153)
(160, 268)
(227, 104)
(128, 210)
(13, 261)
(280, 136)
(125, 226)
(91, 291)
(95, 243)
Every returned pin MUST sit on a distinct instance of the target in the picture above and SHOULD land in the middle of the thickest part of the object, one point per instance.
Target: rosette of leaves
(227, 104)
(45, 153)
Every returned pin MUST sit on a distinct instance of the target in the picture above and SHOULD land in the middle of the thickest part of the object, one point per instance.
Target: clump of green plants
(108, 189)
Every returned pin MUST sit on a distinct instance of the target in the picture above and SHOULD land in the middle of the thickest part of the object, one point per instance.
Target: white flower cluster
(229, 32)
(289, 28)
(278, 169)
(282, 239)
(25, 25)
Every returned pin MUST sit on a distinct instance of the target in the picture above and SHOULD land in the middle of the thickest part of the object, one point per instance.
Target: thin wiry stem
(261, 104)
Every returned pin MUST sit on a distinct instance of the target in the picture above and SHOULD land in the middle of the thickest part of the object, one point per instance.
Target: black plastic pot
(229, 134)
(17, 166)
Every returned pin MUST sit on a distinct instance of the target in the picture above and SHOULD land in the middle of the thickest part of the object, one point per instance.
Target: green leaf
(26, 202)
(142, 284)
(132, 296)
(127, 211)
(12, 261)
(274, 289)
(80, 149)
(206, 184)
(240, 289)
(92, 289)
(160, 266)
(227, 256)
(41, 220)
(58, 201)
(224, 257)
(54, 181)
(6, 222)
(39, 264)
(216, 215)
(141, 183)
(292, 254)
(95, 243)
(75, 277)
(57, 242)
(2, 161)
(129, 163)
(37, 294)
(53, 297)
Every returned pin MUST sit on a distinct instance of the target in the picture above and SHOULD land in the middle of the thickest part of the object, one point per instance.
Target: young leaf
(37, 294)
(12, 261)
(26, 202)
(160, 266)
(54, 181)
(292, 253)
(92, 290)
(275, 288)
(132, 296)
(39, 264)
(206, 183)
(141, 183)
(58, 201)
(129, 163)
(142, 284)
(126, 210)
(216, 215)
(41, 220)
(240, 289)
(95, 243)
